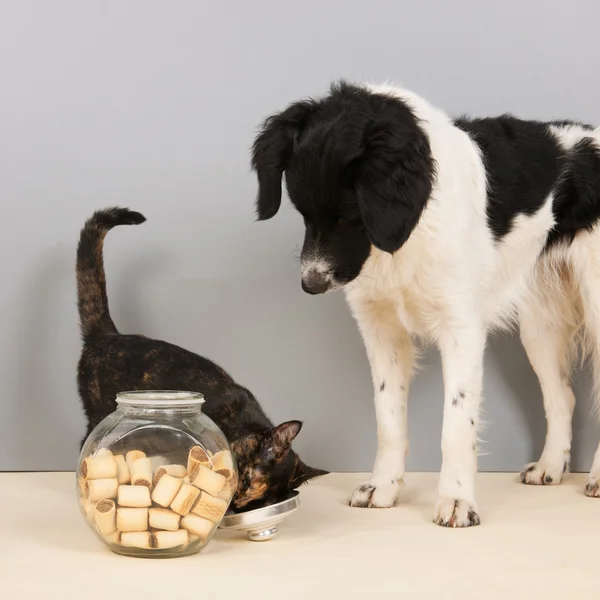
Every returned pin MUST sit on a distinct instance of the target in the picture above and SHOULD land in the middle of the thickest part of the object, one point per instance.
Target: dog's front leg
(462, 350)
(390, 352)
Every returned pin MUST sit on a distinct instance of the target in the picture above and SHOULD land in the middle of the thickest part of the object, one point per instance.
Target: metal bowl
(261, 524)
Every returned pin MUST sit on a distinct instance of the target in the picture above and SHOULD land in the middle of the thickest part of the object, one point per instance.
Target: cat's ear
(278, 440)
(304, 473)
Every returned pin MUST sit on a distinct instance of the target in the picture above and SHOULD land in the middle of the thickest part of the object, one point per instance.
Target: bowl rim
(160, 398)
(260, 515)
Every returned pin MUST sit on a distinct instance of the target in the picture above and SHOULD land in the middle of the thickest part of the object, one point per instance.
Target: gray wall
(153, 105)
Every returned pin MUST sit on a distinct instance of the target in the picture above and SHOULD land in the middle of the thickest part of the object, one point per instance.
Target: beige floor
(533, 543)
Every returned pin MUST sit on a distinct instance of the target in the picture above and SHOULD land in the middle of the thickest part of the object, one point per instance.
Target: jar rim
(166, 398)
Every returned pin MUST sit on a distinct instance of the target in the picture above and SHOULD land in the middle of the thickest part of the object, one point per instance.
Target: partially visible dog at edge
(113, 362)
(443, 229)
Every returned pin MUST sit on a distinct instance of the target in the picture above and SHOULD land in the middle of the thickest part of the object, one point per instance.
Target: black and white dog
(444, 229)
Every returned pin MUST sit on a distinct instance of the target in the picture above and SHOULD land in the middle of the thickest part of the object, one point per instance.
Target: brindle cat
(112, 362)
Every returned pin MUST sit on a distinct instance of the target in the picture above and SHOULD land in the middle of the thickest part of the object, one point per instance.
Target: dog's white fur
(450, 284)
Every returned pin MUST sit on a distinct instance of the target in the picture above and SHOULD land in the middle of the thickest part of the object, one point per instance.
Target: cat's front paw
(376, 495)
(451, 512)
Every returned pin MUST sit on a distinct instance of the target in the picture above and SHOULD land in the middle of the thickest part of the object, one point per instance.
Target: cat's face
(268, 469)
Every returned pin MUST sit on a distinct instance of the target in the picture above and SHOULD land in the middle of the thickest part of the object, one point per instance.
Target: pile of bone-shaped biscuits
(132, 506)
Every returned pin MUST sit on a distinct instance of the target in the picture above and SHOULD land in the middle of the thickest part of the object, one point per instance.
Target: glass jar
(156, 476)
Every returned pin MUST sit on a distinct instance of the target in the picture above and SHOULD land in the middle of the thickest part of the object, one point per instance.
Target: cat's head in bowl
(268, 469)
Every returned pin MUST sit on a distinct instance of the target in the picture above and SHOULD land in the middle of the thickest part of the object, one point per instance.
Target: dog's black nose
(315, 283)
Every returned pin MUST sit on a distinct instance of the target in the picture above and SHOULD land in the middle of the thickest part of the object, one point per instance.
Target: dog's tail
(92, 301)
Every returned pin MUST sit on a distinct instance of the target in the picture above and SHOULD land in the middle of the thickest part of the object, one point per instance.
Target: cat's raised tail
(92, 301)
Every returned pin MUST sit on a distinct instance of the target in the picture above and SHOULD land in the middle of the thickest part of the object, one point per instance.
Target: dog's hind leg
(585, 253)
(391, 357)
(548, 325)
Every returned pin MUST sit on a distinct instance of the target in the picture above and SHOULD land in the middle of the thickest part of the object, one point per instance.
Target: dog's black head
(358, 168)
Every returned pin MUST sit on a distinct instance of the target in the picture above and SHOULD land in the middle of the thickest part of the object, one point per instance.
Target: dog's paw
(450, 512)
(370, 495)
(541, 473)
(592, 488)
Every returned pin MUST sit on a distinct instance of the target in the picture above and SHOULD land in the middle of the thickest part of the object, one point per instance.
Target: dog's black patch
(522, 162)
(382, 386)
(577, 197)
(474, 518)
(548, 479)
(364, 489)
(569, 123)
(525, 163)
(460, 396)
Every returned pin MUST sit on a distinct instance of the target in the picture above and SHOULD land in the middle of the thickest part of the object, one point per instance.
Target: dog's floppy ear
(270, 154)
(393, 176)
